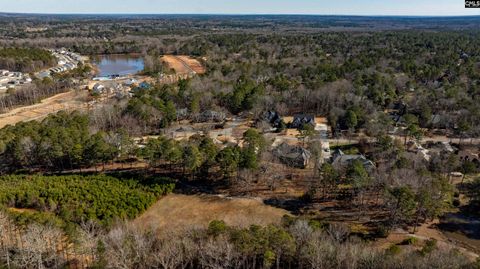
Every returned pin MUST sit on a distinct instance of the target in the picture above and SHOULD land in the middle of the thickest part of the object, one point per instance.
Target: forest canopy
(79, 198)
(26, 60)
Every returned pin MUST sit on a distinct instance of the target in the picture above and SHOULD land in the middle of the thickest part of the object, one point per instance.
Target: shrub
(393, 250)
(409, 241)
(382, 231)
(430, 245)
(317, 225)
(216, 227)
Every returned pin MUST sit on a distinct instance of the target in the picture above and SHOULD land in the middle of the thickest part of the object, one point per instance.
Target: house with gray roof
(341, 160)
(210, 116)
(301, 119)
(273, 118)
(294, 156)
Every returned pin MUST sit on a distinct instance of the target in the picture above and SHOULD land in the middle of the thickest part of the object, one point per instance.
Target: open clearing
(183, 64)
(64, 101)
(180, 212)
(425, 232)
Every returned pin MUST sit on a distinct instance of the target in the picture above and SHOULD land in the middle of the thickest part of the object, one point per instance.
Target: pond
(118, 64)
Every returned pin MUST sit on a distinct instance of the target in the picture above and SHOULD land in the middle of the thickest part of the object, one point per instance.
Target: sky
(320, 7)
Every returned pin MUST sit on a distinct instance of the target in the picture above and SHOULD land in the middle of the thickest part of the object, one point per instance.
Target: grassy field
(179, 212)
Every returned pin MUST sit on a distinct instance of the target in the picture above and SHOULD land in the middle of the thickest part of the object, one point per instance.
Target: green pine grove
(76, 198)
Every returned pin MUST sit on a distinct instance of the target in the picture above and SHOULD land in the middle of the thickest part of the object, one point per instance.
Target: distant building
(470, 155)
(444, 147)
(182, 114)
(210, 116)
(273, 118)
(322, 130)
(423, 153)
(301, 119)
(145, 85)
(130, 82)
(342, 160)
(98, 88)
(294, 156)
(43, 74)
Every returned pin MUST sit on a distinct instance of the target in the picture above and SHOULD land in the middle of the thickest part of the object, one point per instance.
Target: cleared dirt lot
(64, 101)
(180, 212)
(183, 64)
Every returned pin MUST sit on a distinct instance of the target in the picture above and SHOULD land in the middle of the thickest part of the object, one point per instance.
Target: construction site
(104, 89)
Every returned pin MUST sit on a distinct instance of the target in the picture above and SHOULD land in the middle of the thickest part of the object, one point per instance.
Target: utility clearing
(181, 212)
(71, 100)
(183, 64)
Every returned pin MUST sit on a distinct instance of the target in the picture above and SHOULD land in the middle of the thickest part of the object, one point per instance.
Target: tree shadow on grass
(463, 222)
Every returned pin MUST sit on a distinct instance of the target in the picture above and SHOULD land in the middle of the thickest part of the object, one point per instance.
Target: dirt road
(71, 100)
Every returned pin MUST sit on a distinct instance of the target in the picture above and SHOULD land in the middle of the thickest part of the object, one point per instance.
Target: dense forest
(80, 198)
(433, 74)
(64, 142)
(25, 59)
(381, 85)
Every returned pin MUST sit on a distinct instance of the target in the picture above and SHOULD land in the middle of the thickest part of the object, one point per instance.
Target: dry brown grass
(425, 232)
(180, 212)
(22, 210)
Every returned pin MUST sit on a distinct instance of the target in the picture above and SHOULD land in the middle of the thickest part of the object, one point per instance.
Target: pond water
(122, 65)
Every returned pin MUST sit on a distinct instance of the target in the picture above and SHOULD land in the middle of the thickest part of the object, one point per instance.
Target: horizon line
(238, 14)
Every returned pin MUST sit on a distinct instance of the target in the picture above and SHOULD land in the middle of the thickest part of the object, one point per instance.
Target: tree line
(293, 244)
(64, 142)
(25, 60)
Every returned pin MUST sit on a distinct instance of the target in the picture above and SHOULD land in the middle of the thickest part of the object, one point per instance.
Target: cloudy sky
(330, 7)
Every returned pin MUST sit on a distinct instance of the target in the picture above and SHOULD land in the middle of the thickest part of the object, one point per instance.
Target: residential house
(145, 85)
(99, 88)
(301, 119)
(341, 160)
(423, 153)
(471, 155)
(210, 116)
(294, 156)
(273, 118)
(130, 82)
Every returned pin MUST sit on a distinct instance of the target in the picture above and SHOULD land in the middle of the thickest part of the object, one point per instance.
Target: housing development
(239, 141)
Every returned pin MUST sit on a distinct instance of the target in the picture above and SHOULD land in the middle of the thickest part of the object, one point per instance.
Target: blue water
(118, 65)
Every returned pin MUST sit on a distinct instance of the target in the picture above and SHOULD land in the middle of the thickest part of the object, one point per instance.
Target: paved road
(463, 141)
